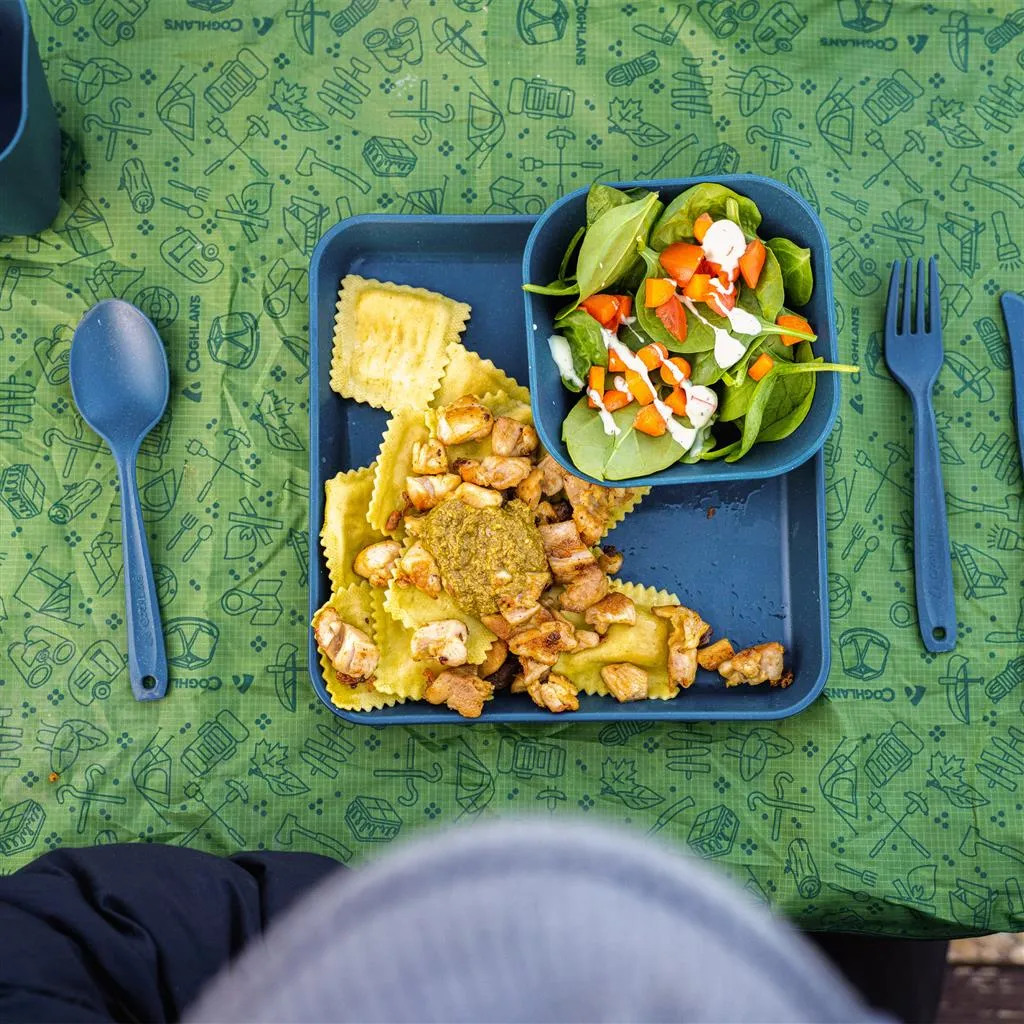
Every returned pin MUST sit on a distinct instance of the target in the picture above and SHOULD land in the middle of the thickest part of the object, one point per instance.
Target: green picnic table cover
(209, 144)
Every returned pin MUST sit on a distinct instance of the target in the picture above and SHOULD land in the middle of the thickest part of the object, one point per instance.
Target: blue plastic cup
(29, 134)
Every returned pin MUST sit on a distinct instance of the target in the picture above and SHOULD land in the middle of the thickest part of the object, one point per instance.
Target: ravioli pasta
(378, 326)
(554, 620)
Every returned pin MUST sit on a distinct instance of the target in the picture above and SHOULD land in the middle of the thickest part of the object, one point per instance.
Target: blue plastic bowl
(784, 213)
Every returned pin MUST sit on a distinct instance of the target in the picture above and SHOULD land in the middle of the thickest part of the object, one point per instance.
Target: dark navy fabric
(134, 932)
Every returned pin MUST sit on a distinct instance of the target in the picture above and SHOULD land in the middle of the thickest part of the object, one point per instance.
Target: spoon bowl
(120, 383)
(119, 375)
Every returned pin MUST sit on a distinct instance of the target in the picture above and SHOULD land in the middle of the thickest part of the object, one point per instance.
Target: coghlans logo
(886, 694)
(198, 683)
(581, 31)
(261, 25)
(856, 43)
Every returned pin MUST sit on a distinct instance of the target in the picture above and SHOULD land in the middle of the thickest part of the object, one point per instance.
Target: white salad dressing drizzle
(742, 321)
(610, 426)
(561, 353)
(684, 436)
(728, 350)
(723, 245)
(701, 402)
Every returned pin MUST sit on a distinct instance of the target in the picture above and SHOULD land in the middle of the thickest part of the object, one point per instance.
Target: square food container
(759, 546)
(783, 213)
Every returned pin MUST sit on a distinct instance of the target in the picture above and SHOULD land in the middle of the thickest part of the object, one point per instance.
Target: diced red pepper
(677, 401)
(649, 421)
(615, 400)
(751, 262)
(653, 355)
(701, 225)
(796, 323)
(673, 316)
(639, 388)
(681, 365)
(681, 260)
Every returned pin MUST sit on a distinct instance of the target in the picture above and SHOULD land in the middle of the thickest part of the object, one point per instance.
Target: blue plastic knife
(1013, 313)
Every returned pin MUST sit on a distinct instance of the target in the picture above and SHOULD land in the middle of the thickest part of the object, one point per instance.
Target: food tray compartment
(784, 213)
(750, 555)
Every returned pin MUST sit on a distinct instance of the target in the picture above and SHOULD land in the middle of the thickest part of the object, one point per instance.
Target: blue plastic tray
(755, 568)
(784, 213)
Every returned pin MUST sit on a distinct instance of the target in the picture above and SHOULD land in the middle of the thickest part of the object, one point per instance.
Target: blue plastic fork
(914, 357)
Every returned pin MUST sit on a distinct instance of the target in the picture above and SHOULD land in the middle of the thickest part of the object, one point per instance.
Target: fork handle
(933, 565)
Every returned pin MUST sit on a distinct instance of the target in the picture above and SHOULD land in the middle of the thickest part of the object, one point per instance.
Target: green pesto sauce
(470, 545)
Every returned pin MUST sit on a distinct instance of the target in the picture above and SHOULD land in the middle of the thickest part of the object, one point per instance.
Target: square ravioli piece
(391, 342)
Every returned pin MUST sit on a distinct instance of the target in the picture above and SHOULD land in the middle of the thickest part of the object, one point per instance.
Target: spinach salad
(677, 333)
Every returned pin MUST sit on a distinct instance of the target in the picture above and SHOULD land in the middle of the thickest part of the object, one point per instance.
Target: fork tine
(892, 305)
(934, 303)
(922, 296)
(908, 298)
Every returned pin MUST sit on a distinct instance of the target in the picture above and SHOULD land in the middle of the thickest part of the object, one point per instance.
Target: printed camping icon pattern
(208, 145)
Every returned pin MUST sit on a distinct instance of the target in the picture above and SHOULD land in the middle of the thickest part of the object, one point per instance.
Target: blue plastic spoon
(120, 382)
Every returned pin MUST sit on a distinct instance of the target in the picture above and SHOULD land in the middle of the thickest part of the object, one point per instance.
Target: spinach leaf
(770, 290)
(612, 243)
(719, 453)
(558, 287)
(795, 263)
(634, 336)
(573, 242)
(759, 403)
(706, 370)
(583, 333)
(790, 402)
(615, 456)
(736, 400)
(676, 223)
(602, 198)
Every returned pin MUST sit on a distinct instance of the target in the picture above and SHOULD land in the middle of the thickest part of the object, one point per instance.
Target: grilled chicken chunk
(625, 682)
(566, 553)
(478, 497)
(556, 693)
(586, 588)
(444, 640)
(429, 457)
(417, 568)
(610, 559)
(528, 491)
(352, 653)
(592, 506)
(427, 491)
(533, 672)
(504, 471)
(376, 561)
(466, 419)
(461, 689)
(510, 437)
(543, 641)
(498, 625)
(495, 471)
(611, 609)
(688, 630)
(494, 659)
(758, 664)
(521, 606)
(713, 655)
(554, 476)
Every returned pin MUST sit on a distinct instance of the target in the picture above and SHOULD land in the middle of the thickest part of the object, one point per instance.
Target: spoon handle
(147, 659)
